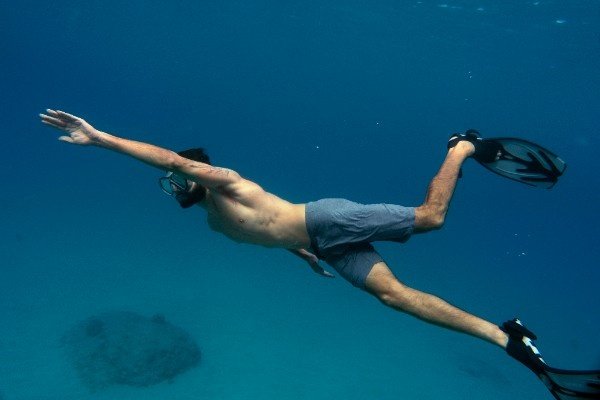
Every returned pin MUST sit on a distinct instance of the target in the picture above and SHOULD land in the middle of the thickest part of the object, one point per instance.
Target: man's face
(186, 192)
(193, 195)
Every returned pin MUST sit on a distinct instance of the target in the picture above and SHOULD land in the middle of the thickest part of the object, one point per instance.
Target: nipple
(241, 220)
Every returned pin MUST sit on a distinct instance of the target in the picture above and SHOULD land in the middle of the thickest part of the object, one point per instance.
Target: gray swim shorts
(341, 233)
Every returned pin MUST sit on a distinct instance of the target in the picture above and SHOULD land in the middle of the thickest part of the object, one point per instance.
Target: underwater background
(351, 99)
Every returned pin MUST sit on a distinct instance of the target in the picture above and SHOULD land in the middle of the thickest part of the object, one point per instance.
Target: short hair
(196, 154)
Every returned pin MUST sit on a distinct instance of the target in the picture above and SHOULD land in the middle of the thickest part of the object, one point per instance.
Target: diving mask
(173, 183)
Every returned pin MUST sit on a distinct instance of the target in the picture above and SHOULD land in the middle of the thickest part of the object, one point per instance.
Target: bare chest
(224, 214)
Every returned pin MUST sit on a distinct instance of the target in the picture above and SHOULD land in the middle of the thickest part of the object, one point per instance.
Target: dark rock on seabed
(125, 348)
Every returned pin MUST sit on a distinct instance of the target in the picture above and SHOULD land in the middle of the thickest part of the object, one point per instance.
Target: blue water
(350, 99)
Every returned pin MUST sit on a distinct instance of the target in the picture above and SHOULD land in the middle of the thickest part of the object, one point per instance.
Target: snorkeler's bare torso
(245, 212)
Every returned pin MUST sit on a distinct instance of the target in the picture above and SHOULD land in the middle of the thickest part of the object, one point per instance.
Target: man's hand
(313, 261)
(79, 131)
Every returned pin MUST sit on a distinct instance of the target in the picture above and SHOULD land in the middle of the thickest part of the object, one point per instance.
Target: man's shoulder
(240, 188)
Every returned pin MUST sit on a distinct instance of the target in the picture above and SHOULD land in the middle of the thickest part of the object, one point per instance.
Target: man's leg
(382, 283)
(430, 215)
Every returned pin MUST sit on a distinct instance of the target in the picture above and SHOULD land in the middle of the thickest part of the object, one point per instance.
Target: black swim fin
(516, 159)
(563, 384)
(568, 385)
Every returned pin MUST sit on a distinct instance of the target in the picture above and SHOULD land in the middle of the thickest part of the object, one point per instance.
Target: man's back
(245, 212)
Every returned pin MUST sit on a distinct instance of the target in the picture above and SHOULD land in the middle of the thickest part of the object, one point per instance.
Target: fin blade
(569, 385)
(527, 162)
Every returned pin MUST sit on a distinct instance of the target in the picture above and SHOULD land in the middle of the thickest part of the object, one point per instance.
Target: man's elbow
(174, 162)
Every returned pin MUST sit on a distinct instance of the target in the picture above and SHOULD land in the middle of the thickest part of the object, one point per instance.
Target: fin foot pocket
(485, 151)
(521, 347)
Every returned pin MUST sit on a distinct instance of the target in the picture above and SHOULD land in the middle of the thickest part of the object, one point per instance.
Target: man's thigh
(354, 262)
(380, 280)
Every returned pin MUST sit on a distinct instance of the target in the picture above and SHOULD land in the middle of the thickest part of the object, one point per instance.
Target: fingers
(55, 122)
(321, 271)
(67, 139)
(61, 138)
(67, 116)
(59, 120)
(58, 115)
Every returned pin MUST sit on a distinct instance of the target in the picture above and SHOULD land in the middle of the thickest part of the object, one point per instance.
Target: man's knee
(428, 217)
(382, 284)
(395, 295)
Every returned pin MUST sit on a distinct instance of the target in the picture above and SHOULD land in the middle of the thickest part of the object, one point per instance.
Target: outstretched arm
(78, 131)
(313, 262)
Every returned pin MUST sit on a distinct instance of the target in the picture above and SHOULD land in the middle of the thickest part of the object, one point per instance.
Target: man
(335, 230)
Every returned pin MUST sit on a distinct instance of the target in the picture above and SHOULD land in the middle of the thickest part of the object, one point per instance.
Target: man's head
(196, 154)
(186, 193)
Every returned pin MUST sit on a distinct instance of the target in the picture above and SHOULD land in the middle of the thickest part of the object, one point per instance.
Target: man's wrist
(103, 139)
